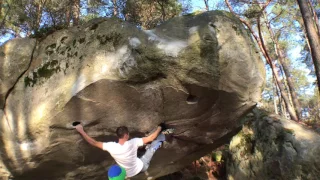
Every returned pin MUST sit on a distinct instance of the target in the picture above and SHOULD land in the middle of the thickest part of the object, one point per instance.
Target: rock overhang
(197, 73)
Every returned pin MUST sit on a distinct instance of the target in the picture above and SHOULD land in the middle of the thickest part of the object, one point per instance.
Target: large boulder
(270, 147)
(197, 73)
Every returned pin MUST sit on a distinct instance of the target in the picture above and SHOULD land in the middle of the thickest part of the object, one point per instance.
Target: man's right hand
(163, 126)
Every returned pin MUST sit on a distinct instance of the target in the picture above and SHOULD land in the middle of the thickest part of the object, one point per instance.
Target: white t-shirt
(126, 155)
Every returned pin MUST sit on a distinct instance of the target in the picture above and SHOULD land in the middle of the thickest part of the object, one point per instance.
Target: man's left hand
(79, 128)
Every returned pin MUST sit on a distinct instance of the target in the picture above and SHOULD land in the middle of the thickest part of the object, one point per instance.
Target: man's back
(126, 155)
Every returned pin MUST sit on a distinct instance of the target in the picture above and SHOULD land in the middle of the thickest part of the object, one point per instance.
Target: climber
(125, 151)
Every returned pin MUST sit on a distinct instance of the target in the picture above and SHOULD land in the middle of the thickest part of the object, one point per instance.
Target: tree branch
(5, 16)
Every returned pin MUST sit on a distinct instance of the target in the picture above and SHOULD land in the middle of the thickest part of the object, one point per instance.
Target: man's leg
(146, 158)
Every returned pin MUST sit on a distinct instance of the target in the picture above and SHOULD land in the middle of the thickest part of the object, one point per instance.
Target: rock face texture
(15, 57)
(197, 73)
(270, 147)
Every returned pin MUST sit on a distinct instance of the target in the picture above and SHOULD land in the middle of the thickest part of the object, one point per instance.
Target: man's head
(122, 132)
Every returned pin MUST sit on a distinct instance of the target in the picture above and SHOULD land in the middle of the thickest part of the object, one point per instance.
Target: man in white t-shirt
(125, 151)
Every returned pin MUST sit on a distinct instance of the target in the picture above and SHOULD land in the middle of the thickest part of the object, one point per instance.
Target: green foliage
(300, 80)
(88, 17)
(45, 31)
(196, 12)
(217, 156)
(311, 104)
(25, 18)
(150, 13)
(252, 12)
(269, 95)
(38, 18)
(289, 131)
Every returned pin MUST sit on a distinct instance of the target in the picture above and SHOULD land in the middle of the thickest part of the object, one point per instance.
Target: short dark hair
(121, 131)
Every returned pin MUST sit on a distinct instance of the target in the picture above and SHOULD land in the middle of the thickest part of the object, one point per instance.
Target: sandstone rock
(276, 149)
(4, 173)
(197, 73)
(15, 57)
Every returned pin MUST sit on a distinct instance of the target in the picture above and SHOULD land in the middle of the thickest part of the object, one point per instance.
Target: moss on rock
(46, 71)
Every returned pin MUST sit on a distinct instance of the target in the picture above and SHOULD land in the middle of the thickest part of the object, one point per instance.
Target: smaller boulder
(270, 147)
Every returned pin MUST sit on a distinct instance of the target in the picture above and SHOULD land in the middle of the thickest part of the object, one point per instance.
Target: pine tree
(312, 35)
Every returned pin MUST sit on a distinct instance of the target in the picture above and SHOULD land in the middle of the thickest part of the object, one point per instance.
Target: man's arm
(152, 136)
(88, 138)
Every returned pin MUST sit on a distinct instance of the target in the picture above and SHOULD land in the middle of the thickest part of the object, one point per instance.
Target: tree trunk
(76, 12)
(284, 95)
(281, 111)
(163, 11)
(5, 16)
(1, 8)
(284, 110)
(115, 7)
(313, 37)
(274, 92)
(207, 4)
(318, 109)
(264, 51)
(39, 15)
(315, 17)
(291, 86)
(40, 6)
(163, 14)
(304, 33)
(68, 14)
(286, 69)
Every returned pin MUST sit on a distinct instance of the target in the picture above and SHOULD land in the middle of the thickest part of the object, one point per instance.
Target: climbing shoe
(168, 131)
